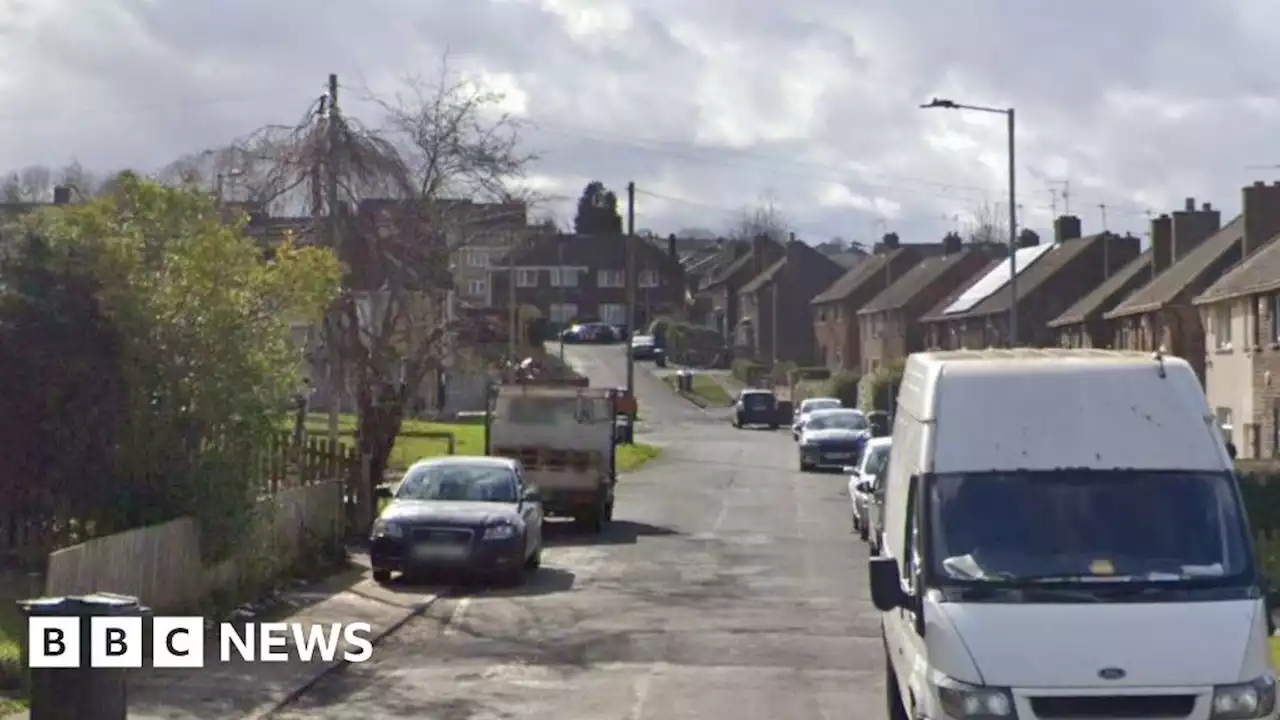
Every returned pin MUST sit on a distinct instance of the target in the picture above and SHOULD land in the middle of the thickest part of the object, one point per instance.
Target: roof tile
(1183, 273)
(1259, 273)
(1112, 290)
(848, 283)
(915, 281)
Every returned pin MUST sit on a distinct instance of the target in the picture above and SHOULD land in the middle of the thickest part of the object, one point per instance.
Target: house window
(648, 278)
(1222, 326)
(526, 278)
(613, 313)
(610, 278)
(563, 312)
(478, 258)
(477, 287)
(1255, 316)
(1275, 318)
(564, 277)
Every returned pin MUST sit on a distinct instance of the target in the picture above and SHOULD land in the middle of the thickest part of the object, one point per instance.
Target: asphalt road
(729, 586)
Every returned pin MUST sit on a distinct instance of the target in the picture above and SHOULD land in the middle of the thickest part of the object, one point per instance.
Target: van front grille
(1113, 706)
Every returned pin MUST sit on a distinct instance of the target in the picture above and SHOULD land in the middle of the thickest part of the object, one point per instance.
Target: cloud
(705, 105)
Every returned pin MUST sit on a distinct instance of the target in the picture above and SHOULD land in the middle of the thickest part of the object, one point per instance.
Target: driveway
(730, 587)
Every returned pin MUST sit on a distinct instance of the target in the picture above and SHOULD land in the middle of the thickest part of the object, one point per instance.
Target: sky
(709, 106)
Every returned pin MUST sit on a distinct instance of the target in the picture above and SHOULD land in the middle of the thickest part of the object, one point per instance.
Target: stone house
(1049, 280)
(777, 320)
(888, 325)
(1161, 314)
(835, 309)
(1240, 313)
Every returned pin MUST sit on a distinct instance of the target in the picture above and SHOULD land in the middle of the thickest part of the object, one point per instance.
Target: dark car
(645, 347)
(460, 514)
(756, 407)
(832, 438)
(589, 333)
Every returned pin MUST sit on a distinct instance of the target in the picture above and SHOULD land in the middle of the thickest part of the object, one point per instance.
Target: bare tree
(987, 224)
(762, 218)
(440, 170)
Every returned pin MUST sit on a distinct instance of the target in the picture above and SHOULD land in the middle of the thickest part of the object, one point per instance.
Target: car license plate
(437, 551)
(840, 455)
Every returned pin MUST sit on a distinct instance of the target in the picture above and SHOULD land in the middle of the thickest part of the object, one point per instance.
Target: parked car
(865, 489)
(644, 347)
(808, 406)
(832, 438)
(756, 407)
(475, 515)
(589, 333)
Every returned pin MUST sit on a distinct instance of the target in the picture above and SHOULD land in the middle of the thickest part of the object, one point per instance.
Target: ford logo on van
(1111, 673)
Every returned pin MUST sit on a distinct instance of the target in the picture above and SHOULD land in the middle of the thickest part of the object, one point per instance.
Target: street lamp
(1013, 206)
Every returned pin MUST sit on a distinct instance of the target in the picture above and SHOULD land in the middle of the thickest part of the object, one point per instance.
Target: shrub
(882, 391)
(844, 386)
(749, 371)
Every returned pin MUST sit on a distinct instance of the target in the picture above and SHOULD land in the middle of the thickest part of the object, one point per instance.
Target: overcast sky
(708, 105)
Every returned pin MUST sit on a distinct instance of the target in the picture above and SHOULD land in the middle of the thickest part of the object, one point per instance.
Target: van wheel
(894, 707)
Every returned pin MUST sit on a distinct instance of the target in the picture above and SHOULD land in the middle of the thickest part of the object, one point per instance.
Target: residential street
(730, 586)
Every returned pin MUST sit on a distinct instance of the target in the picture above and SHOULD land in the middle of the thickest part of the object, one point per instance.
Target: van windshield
(1087, 526)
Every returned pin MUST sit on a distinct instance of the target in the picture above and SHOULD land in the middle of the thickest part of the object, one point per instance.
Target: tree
(597, 211)
(205, 358)
(764, 218)
(987, 224)
(437, 143)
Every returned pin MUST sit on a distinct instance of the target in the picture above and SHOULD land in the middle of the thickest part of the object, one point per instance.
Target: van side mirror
(886, 584)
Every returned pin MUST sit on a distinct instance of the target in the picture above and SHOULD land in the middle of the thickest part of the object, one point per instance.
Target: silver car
(808, 406)
(865, 486)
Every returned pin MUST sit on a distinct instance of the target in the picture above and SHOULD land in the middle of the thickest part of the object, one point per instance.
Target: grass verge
(706, 391)
(631, 457)
(1275, 651)
(412, 444)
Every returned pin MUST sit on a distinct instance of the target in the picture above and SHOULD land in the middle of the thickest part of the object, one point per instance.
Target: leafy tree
(597, 211)
(205, 358)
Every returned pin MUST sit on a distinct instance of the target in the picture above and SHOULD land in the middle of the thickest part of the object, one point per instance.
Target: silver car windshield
(837, 420)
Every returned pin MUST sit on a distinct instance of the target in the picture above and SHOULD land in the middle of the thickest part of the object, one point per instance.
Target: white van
(1064, 538)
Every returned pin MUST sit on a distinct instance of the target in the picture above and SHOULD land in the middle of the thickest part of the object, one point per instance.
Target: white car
(864, 485)
(808, 406)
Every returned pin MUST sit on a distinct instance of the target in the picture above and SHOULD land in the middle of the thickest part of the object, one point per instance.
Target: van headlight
(974, 702)
(1245, 701)
(386, 528)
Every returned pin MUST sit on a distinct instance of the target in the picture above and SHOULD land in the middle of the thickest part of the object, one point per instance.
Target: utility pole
(1106, 244)
(630, 240)
(512, 310)
(331, 188)
(560, 275)
(1013, 238)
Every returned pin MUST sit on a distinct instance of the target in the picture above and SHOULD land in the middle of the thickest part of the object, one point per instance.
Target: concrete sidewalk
(240, 690)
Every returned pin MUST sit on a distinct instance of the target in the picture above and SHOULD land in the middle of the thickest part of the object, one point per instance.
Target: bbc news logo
(179, 642)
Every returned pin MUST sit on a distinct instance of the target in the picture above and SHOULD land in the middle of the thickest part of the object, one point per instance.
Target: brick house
(777, 321)
(1161, 314)
(1049, 280)
(719, 292)
(583, 277)
(888, 325)
(480, 235)
(1082, 325)
(1241, 316)
(835, 309)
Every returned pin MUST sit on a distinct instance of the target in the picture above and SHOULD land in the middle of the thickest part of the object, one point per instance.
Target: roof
(730, 270)
(848, 283)
(478, 460)
(1036, 274)
(1106, 294)
(763, 278)
(913, 282)
(1116, 357)
(1166, 286)
(954, 295)
(1259, 273)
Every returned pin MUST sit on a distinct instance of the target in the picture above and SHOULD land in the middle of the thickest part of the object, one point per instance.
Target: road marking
(455, 619)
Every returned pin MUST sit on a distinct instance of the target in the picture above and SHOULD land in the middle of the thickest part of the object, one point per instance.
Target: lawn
(706, 390)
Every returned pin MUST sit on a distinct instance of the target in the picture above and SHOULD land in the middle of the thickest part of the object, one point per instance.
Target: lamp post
(1013, 206)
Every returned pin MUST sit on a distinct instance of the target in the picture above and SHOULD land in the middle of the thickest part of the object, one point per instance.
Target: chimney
(1029, 238)
(61, 195)
(952, 244)
(1161, 244)
(1261, 203)
(671, 247)
(1066, 227)
(1192, 227)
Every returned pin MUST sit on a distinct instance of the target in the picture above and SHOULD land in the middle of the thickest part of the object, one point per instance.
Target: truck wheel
(382, 577)
(590, 522)
(608, 511)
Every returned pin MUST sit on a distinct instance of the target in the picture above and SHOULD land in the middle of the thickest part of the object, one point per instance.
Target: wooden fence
(28, 532)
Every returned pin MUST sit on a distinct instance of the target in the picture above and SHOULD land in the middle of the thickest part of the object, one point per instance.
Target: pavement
(729, 586)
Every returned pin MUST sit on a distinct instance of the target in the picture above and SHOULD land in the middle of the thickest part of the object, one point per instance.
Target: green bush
(1260, 489)
(844, 386)
(883, 390)
(748, 371)
(801, 374)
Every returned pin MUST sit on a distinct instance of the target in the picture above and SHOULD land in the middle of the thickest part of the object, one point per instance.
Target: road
(730, 586)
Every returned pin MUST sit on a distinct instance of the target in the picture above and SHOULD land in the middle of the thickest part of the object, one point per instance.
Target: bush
(802, 374)
(882, 391)
(844, 386)
(749, 372)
